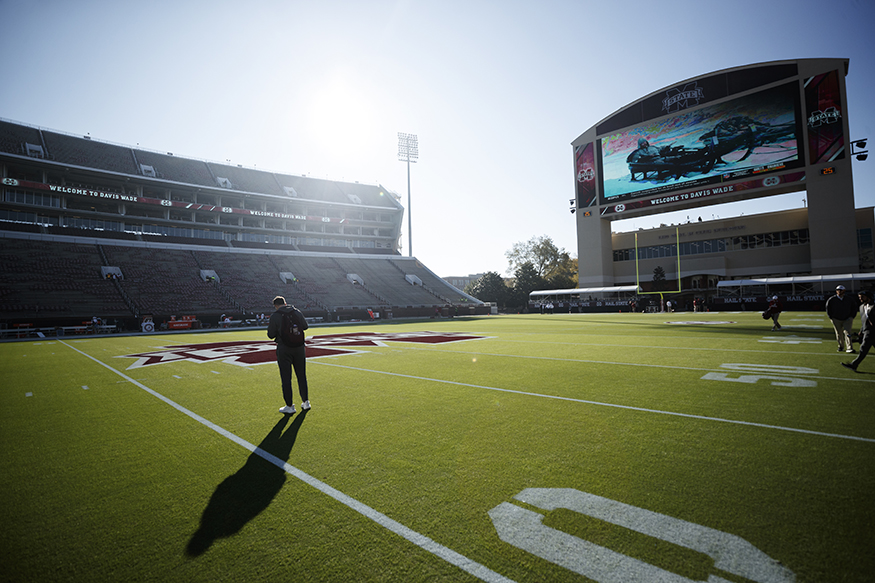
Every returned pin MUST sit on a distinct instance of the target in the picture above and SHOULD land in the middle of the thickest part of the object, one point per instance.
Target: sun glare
(342, 112)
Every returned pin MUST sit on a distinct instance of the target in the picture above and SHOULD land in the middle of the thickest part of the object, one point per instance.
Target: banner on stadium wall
(826, 139)
(674, 197)
(115, 196)
(585, 161)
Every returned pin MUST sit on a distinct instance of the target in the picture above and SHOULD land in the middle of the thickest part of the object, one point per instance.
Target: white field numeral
(778, 375)
(525, 530)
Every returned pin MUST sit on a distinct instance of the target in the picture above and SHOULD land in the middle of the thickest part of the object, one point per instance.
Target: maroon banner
(585, 162)
(823, 104)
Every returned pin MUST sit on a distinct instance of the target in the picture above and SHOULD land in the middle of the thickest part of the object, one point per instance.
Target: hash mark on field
(28, 394)
(791, 339)
(85, 387)
(215, 372)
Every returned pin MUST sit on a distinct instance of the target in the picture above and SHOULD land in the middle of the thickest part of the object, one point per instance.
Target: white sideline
(628, 407)
(476, 569)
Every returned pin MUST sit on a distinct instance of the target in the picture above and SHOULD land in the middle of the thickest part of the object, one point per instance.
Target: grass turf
(102, 481)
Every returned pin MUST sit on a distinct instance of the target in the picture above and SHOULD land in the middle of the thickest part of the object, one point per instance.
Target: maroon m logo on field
(248, 353)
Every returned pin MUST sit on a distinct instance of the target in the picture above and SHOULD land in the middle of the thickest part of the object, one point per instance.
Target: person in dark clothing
(842, 309)
(866, 331)
(774, 311)
(288, 356)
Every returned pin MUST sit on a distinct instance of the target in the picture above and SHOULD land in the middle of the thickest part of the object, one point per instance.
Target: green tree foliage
(489, 288)
(565, 277)
(526, 280)
(547, 259)
(658, 278)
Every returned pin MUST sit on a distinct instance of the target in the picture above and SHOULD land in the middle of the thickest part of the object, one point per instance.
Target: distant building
(769, 245)
(462, 282)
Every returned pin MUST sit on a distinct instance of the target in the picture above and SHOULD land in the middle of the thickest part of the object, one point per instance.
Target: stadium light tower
(408, 151)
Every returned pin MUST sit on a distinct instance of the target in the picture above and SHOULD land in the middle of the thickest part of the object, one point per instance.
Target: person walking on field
(774, 311)
(866, 329)
(842, 309)
(286, 326)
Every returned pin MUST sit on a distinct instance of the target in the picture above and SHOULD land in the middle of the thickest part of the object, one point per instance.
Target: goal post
(678, 256)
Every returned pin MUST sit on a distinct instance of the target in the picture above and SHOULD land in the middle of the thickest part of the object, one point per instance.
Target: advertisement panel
(584, 160)
(823, 108)
(741, 138)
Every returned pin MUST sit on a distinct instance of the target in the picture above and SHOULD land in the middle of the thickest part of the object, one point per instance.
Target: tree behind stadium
(554, 265)
(489, 288)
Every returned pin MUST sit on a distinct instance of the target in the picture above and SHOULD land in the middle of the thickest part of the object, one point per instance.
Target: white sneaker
(290, 410)
(305, 406)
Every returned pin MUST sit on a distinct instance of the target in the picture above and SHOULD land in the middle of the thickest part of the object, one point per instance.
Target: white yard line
(627, 407)
(855, 379)
(420, 540)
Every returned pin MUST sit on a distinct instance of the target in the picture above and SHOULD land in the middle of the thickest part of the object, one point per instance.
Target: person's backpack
(291, 332)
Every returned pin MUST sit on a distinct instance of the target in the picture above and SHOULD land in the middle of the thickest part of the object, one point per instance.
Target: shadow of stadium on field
(245, 494)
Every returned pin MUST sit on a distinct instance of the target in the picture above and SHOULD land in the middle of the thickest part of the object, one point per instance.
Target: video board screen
(749, 136)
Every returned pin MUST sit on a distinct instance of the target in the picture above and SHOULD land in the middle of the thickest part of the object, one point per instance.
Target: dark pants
(865, 345)
(288, 357)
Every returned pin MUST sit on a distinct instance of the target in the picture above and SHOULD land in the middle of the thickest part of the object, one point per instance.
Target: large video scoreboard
(747, 132)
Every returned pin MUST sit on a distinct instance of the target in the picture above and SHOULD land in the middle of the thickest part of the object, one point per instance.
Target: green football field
(578, 447)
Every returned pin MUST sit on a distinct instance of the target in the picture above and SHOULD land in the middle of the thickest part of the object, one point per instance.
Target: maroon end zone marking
(248, 353)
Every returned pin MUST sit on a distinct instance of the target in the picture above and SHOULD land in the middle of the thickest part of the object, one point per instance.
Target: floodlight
(408, 147)
(408, 151)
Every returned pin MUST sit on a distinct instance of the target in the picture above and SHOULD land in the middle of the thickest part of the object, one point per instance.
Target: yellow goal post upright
(637, 272)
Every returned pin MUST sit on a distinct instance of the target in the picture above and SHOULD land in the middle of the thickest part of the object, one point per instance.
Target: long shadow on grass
(245, 494)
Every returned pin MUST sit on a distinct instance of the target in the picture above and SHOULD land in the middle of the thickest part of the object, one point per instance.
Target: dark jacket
(841, 308)
(276, 322)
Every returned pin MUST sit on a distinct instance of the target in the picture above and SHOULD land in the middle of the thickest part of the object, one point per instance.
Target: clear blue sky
(495, 90)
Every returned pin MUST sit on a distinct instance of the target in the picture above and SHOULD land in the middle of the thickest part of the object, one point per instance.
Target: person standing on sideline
(866, 332)
(290, 351)
(842, 309)
(775, 311)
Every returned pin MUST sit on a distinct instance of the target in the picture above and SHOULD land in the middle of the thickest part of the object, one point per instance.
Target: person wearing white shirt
(866, 331)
